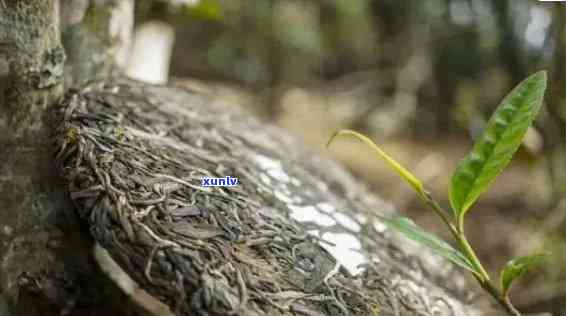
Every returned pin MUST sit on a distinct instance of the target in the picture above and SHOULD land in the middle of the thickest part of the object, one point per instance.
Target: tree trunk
(96, 36)
(46, 261)
(556, 127)
(509, 50)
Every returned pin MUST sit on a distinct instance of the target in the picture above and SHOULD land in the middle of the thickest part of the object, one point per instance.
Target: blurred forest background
(419, 77)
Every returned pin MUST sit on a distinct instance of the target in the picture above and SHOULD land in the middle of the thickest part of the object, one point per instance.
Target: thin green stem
(461, 224)
(509, 307)
(502, 299)
(458, 234)
(481, 274)
(431, 202)
(469, 252)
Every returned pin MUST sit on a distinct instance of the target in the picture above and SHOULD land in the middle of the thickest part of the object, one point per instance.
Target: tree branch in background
(96, 36)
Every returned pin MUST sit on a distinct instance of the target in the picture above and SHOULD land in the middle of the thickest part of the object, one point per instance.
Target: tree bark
(509, 50)
(96, 36)
(46, 261)
(555, 129)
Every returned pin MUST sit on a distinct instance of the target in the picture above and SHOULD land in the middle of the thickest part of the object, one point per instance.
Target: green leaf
(502, 136)
(410, 230)
(515, 268)
(401, 171)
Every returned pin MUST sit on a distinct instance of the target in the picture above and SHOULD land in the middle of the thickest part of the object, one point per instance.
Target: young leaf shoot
(516, 268)
(491, 153)
(405, 174)
(493, 150)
